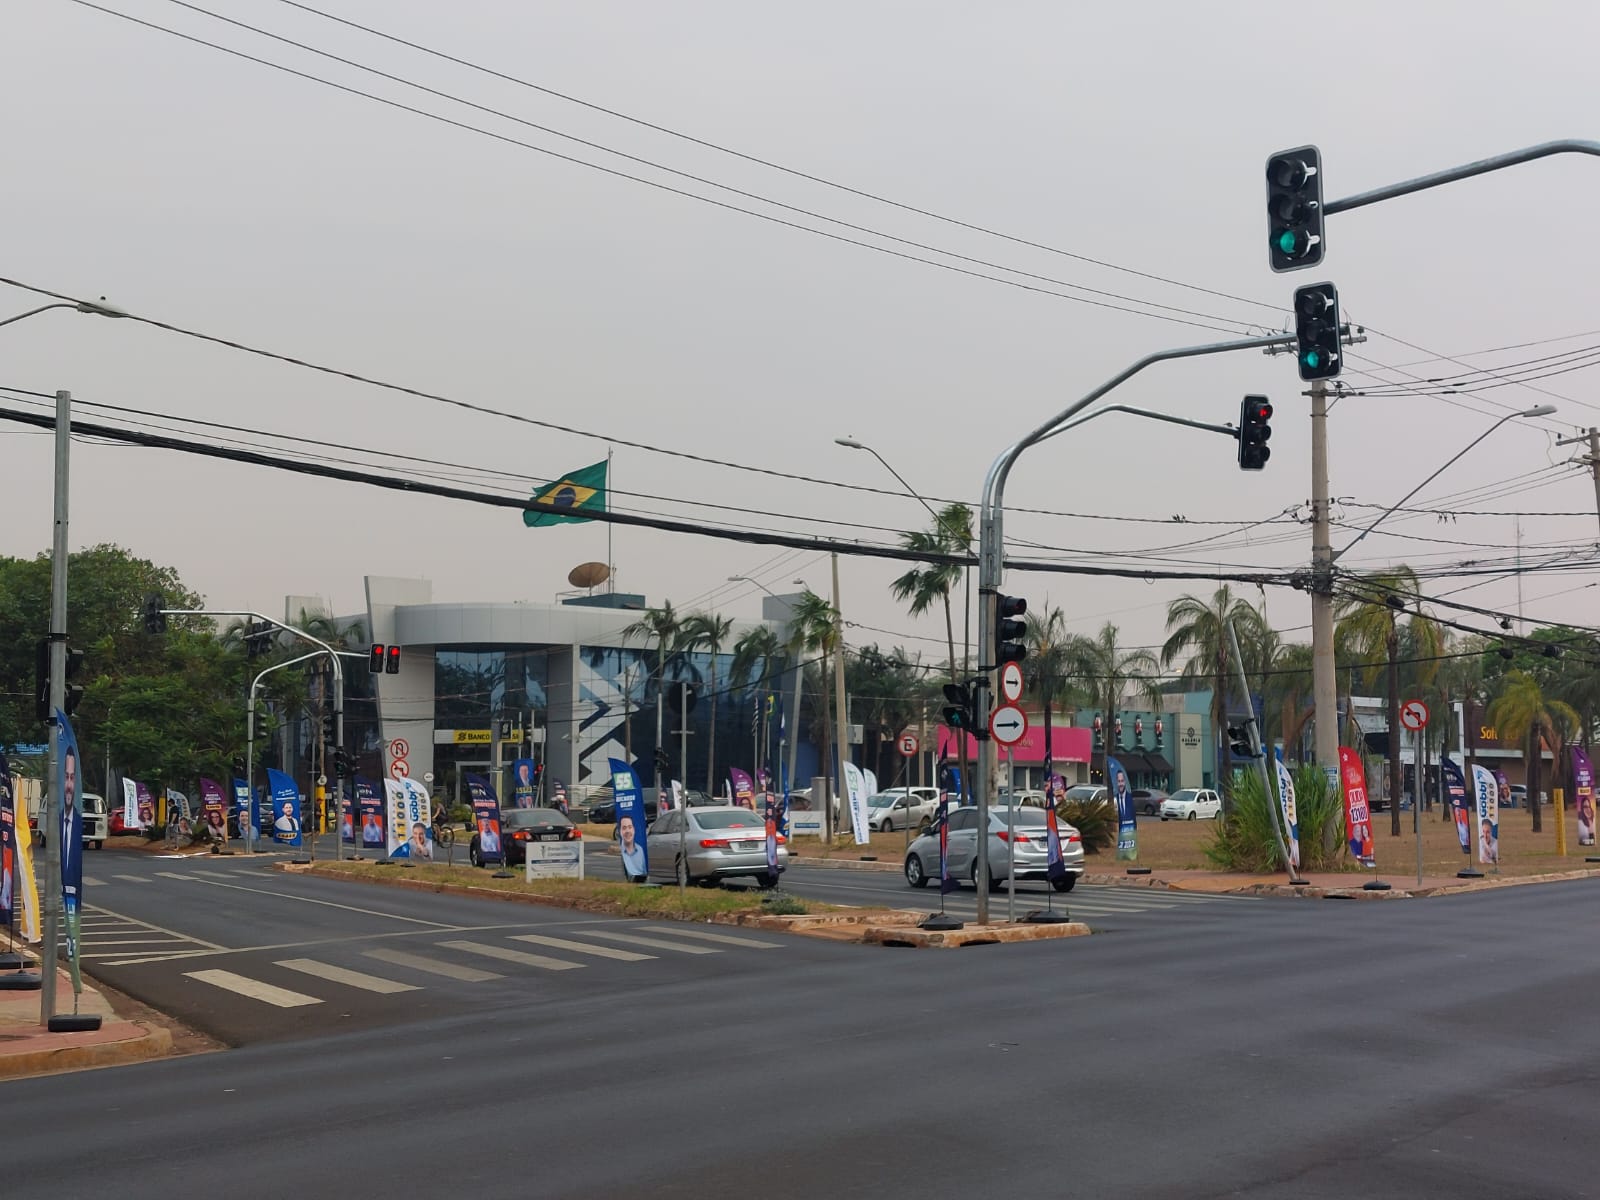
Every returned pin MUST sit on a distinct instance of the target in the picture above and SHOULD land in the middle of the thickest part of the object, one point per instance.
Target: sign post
(1414, 716)
(907, 744)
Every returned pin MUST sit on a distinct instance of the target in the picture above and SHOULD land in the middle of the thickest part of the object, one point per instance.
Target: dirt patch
(184, 1039)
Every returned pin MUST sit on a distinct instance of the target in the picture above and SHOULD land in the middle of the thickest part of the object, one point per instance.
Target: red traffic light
(393, 665)
(375, 663)
(1262, 412)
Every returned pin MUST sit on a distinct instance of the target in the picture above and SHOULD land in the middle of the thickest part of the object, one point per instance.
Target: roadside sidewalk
(28, 1048)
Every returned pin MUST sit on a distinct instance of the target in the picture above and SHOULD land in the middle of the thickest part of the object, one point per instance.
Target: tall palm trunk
(959, 735)
(711, 738)
(1393, 646)
(1535, 769)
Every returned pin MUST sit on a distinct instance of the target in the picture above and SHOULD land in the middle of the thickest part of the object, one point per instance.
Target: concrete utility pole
(54, 795)
(1592, 437)
(838, 697)
(1324, 684)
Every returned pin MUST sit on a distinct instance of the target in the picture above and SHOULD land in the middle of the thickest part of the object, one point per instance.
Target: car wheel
(886, 827)
(1163, 818)
(1065, 885)
(1149, 810)
(1192, 816)
(99, 844)
(767, 880)
(472, 853)
(915, 875)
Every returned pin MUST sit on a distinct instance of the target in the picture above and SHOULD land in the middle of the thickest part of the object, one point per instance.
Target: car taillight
(782, 840)
(574, 834)
(1073, 837)
(1020, 838)
(713, 843)
(520, 835)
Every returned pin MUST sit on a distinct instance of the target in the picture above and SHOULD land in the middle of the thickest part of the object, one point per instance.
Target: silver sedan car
(1022, 847)
(720, 842)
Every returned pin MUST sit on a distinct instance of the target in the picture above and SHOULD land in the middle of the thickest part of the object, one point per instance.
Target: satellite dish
(589, 574)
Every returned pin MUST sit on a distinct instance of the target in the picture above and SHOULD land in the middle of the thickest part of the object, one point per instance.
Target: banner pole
(1011, 850)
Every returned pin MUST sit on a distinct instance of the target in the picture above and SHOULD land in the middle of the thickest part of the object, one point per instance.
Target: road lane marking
(355, 979)
(92, 881)
(172, 933)
(517, 956)
(253, 988)
(370, 912)
(556, 943)
(433, 966)
(136, 960)
(133, 878)
(722, 938)
(653, 943)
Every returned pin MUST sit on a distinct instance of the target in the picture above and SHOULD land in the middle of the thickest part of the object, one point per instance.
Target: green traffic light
(1312, 359)
(1288, 242)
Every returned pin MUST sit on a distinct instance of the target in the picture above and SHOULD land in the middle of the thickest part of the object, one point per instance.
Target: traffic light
(41, 680)
(258, 639)
(328, 728)
(958, 713)
(1294, 209)
(1099, 731)
(1316, 330)
(155, 621)
(663, 764)
(1255, 430)
(391, 664)
(343, 763)
(375, 662)
(73, 694)
(1008, 629)
(1239, 740)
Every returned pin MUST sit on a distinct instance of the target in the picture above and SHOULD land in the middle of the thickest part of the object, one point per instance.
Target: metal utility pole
(1324, 683)
(842, 733)
(58, 687)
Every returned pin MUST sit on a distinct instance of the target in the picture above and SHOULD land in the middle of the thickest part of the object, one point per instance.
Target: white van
(95, 819)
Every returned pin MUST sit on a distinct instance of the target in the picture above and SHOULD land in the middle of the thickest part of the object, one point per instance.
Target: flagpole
(611, 562)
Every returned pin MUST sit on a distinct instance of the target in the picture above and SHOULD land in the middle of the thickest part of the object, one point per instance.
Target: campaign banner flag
(558, 793)
(214, 808)
(285, 808)
(1455, 794)
(246, 810)
(1486, 806)
(71, 843)
(1054, 868)
(631, 827)
(410, 832)
(132, 818)
(744, 788)
(946, 884)
(147, 807)
(177, 804)
(856, 786)
(486, 818)
(1127, 814)
(581, 492)
(25, 898)
(1357, 811)
(1291, 824)
(8, 844)
(675, 786)
(369, 808)
(769, 816)
(1582, 795)
(524, 783)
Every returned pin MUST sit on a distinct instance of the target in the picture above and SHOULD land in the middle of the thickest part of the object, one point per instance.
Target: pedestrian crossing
(1081, 902)
(395, 972)
(114, 940)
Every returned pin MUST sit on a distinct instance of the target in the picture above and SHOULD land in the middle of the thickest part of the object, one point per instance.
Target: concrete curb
(146, 1043)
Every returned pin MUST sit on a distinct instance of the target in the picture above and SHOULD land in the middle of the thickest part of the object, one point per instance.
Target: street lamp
(762, 586)
(98, 308)
(852, 444)
(1541, 410)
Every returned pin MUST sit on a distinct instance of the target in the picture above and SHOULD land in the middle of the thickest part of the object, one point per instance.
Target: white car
(1191, 804)
(901, 808)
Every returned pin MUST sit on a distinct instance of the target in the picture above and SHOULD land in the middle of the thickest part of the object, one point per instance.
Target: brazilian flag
(580, 492)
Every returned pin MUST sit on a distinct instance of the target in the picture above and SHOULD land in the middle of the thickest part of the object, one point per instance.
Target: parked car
(1022, 848)
(1191, 804)
(888, 811)
(719, 842)
(519, 826)
(96, 821)
(1026, 798)
(1519, 795)
(1085, 793)
(1149, 800)
(604, 812)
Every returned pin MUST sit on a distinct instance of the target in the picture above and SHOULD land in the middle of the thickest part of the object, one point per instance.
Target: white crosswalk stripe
(506, 954)
(134, 878)
(91, 881)
(556, 943)
(432, 966)
(243, 985)
(355, 979)
(725, 939)
(652, 943)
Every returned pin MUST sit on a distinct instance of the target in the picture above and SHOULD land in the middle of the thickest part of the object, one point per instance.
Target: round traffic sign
(400, 768)
(907, 744)
(1011, 683)
(400, 748)
(1008, 724)
(1414, 715)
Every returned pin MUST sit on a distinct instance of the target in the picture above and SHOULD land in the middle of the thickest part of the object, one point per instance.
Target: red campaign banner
(1357, 814)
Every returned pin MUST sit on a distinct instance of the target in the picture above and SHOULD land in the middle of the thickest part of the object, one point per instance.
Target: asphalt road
(1439, 1048)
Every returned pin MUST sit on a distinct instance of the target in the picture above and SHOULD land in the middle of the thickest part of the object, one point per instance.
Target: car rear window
(728, 820)
(524, 818)
(1022, 817)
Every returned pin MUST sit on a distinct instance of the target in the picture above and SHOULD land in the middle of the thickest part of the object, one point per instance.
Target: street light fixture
(1541, 410)
(852, 444)
(762, 586)
(96, 308)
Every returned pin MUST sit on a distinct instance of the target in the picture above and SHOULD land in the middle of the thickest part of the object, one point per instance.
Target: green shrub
(1244, 839)
(1095, 820)
(461, 815)
(782, 904)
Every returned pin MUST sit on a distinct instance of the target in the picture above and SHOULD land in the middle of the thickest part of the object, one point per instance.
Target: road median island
(776, 911)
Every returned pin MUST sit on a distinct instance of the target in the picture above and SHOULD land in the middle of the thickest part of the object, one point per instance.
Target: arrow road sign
(1011, 683)
(1414, 715)
(1008, 724)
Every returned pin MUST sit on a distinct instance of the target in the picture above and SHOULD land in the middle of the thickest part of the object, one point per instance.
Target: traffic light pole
(1481, 167)
(991, 560)
(1324, 679)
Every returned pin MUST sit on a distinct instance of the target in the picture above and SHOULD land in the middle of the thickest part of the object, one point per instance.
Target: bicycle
(180, 832)
(444, 835)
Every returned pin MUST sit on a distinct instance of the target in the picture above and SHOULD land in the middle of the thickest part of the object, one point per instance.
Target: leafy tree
(709, 632)
(663, 625)
(1048, 667)
(1524, 712)
(814, 628)
(1111, 671)
(1197, 631)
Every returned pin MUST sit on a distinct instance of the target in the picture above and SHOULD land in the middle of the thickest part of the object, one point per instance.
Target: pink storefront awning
(1067, 744)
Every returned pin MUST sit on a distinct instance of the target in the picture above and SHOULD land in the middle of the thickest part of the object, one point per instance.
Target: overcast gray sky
(217, 194)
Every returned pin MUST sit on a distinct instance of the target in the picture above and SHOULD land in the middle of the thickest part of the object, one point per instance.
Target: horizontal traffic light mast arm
(1481, 167)
(1144, 412)
(333, 654)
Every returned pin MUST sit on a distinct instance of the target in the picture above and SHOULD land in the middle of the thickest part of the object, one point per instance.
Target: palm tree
(814, 628)
(756, 647)
(708, 631)
(1199, 629)
(1048, 664)
(1286, 684)
(1370, 618)
(1110, 672)
(1523, 711)
(664, 626)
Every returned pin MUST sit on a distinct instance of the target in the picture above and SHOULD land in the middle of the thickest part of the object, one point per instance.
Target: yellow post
(319, 823)
(1561, 821)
